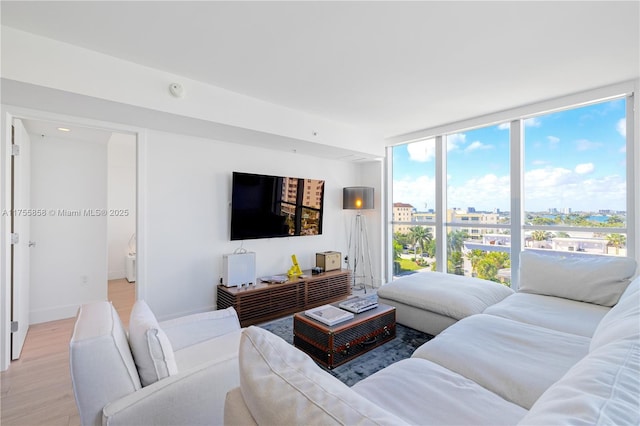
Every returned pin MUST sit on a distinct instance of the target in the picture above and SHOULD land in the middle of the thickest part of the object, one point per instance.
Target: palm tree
(540, 235)
(474, 257)
(420, 236)
(617, 241)
(455, 263)
(455, 240)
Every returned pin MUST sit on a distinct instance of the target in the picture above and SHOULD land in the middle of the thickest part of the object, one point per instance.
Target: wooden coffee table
(334, 345)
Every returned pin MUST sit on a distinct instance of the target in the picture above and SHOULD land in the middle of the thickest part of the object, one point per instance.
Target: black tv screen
(264, 206)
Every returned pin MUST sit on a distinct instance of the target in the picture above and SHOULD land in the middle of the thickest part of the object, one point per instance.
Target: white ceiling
(394, 67)
(49, 129)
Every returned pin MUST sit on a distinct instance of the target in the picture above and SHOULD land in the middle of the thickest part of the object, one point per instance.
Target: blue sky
(572, 159)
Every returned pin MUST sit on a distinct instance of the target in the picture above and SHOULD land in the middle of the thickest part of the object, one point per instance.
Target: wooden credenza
(263, 301)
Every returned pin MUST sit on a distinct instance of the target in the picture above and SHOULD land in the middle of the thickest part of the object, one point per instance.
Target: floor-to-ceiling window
(575, 185)
(413, 214)
(554, 181)
(478, 202)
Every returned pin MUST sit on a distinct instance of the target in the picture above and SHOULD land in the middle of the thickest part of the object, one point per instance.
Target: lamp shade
(357, 198)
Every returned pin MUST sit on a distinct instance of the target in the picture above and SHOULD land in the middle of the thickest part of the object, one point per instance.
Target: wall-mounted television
(264, 206)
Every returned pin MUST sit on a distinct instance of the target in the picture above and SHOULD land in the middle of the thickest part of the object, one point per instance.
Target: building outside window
(574, 192)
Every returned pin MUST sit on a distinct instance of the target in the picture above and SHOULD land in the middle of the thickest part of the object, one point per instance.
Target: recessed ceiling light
(64, 129)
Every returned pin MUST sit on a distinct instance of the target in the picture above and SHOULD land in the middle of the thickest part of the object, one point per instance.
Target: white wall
(372, 174)
(188, 197)
(69, 262)
(121, 198)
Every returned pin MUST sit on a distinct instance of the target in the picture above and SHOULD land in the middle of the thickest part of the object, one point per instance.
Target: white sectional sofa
(565, 349)
(432, 301)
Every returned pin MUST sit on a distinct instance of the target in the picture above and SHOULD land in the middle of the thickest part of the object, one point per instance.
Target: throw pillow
(152, 351)
(594, 279)
(281, 385)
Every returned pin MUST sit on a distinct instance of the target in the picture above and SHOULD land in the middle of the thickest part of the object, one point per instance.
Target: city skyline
(574, 159)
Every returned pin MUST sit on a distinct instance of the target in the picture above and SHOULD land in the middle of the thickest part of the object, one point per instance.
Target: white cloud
(476, 145)
(425, 151)
(553, 140)
(548, 177)
(505, 126)
(483, 192)
(544, 188)
(587, 145)
(558, 188)
(532, 122)
(422, 151)
(419, 192)
(455, 140)
(583, 169)
(621, 127)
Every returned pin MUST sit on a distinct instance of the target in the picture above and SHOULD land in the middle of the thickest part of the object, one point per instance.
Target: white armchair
(167, 373)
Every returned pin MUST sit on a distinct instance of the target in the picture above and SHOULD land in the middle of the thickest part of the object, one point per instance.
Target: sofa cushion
(556, 313)
(622, 322)
(216, 349)
(424, 393)
(196, 328)
(594, 279)
(150, 346)
(601, 389)
(451, 295)
(517, 361)
(282, 385)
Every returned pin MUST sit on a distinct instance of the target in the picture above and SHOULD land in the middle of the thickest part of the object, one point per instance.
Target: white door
(20, 225)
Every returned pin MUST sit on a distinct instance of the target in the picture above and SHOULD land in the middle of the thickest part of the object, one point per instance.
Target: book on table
(360, 304)
(328, 314)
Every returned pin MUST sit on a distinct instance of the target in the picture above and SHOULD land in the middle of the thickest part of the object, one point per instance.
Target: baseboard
(53, 314)
(116, 275)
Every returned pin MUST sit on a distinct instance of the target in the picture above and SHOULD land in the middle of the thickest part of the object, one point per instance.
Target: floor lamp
(359, 255)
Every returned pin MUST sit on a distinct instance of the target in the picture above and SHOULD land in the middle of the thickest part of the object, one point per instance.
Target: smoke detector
(176, 90)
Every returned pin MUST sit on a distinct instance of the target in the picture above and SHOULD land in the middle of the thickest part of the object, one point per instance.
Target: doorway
(84, 180)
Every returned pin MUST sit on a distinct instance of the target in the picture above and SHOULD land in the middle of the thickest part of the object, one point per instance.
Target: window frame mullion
(441, 204)
(516, 154)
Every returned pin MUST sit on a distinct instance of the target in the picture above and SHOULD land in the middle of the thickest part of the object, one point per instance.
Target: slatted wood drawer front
(321, 291)
(263, 302)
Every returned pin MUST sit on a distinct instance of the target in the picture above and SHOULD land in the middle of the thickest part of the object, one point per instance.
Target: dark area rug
(407, 340)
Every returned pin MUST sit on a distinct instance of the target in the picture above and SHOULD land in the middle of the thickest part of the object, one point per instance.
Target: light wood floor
(36, 389)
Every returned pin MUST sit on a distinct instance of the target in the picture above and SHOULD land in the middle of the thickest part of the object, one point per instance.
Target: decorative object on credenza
(359, 255)
(274, 279)
(329, 260)
(238, 268)
(294, 271)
